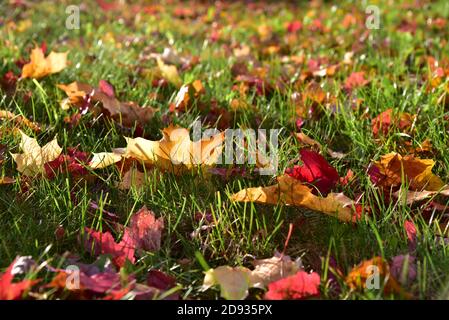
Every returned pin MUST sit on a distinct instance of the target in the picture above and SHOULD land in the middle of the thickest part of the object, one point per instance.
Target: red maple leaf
(74, 162)
(299, 286)
(145, 230)
(103, 243)
(315, 170)
(355, 80)
(410, 229)
(10, 290)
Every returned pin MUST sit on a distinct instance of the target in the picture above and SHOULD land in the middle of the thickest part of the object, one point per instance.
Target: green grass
(30, 217)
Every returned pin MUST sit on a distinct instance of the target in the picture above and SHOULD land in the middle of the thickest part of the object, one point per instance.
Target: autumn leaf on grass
(33, 159)
(387, 120)
(273, 269)
(392, 168)
(299, 286)
(41, 66)
(133, 178)
(19, 120)
(234, 282)
(290, 191)
(104, 159)
(316, 171)
(85, 96)
(411, 197)
(73, 162)
(103, 243)
(355, 80)
(308, 141)
(96, 282)
(145, 230)
(175, 152)
(10, 290)
(364, 276)
(169, 73)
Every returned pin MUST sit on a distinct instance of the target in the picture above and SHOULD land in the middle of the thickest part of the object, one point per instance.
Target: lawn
(354, 206)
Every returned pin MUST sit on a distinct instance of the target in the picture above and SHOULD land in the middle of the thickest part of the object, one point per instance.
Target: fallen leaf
(125, 113)
(290, 191)
(308, 141)
(315, 170)
(10, 290)
(387, 120)
(175, 152)
(19, 120)
(103, 243)
(273, 269)
(104, 159)
(170, 73)
(364, 275)
(234, 282)
(39, 66)
(390, 170)
(133, 178)
(33, 159)
(355, 80)
(299, 286)
(145, 230)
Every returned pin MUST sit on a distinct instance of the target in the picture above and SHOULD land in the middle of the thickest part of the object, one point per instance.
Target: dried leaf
(33, 159)
(39, 66)
(290, 191)
(389, 170)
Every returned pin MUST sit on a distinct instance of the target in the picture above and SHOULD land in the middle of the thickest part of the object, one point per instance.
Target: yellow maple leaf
(290, 191)
(175, 152)
(169, 73)
(31, 162)
(234, 282)
(41, 66)
(393, 168)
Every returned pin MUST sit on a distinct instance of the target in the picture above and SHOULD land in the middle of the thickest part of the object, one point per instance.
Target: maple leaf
(132, 178)
(308, 141)
(388, 172)
(359, 277)
(104, 159)
(234, 282)
(272, 269)
(103, 243)
(410, 229)
(355, 80)
(175, 152)
(33, 159)
(386, 120)
(290, 191)
(41, 66)
(126, 113)
(10, 290)
(315, 170)
(74, 162)
(299, 286)
(145, 230)
(403, 267)
(19, 120)
(170, 73)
